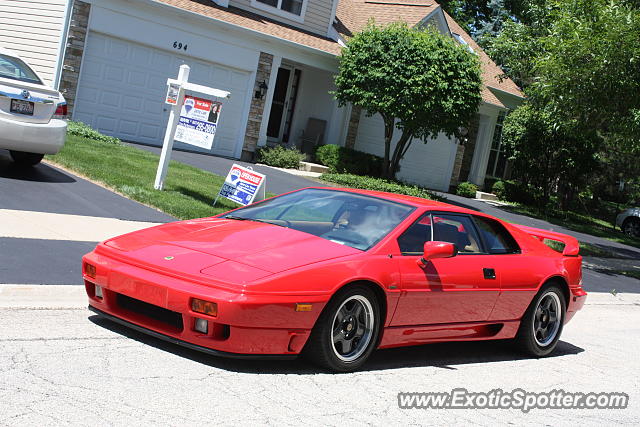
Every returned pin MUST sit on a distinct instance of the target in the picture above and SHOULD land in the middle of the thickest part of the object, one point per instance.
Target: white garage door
(429, 165)
(123, 84)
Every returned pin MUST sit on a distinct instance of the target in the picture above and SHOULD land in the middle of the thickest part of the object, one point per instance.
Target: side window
(458, 230)
(496, 237)
(412, 241)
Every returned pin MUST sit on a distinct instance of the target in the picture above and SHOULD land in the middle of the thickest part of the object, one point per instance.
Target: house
(278, 59)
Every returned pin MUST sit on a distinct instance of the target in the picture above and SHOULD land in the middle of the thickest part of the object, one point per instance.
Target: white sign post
(176, 100)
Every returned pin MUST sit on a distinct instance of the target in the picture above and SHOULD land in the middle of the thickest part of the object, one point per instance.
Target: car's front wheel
(346, 332)
(631, 227)
(541, 326)
(26, 159)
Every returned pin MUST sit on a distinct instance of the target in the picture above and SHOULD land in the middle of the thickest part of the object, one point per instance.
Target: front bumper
(41, 138)
(245, 324)
(188, 344)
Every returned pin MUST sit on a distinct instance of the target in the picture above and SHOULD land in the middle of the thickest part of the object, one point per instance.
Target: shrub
(377, 184)
(86, 131)
(349, 161)
(467, 189)
(280, 157)
(499, 190)
(518, 192)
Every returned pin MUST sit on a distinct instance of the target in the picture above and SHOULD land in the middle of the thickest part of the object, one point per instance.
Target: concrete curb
(74, 296)
(42, 296)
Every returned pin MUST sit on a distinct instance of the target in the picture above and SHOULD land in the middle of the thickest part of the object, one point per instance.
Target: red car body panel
(256, 273)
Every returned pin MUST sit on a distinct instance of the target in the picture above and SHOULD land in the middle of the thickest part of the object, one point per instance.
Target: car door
(519, 274)
(463, 288)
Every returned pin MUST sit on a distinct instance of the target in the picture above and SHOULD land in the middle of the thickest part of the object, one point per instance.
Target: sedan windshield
(346, 218)
(14, 68)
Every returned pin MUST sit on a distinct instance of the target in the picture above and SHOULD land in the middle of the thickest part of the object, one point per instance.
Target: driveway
(50, 218)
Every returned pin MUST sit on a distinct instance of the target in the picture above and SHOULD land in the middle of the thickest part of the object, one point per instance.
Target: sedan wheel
(631, 227)
(541, 325)
(26, 159)
(346, 332)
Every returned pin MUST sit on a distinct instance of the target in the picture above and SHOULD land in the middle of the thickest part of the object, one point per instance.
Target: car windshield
(14, 68)
(346, 218)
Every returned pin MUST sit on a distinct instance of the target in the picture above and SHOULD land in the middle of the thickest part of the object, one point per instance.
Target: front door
(463, 288)
(283, 104)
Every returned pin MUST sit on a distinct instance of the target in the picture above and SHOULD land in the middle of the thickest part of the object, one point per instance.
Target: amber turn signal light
(204, 307)
(90, 270)
(303, 307)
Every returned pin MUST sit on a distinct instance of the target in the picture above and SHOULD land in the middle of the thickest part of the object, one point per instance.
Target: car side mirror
(433, 250)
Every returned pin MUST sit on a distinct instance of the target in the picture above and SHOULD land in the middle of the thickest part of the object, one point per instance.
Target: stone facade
(74, 51)
(352, 130)
(469, 150)
(457, 166)
(252, 133)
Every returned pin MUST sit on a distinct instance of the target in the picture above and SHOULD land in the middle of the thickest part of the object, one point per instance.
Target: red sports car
(336, 273)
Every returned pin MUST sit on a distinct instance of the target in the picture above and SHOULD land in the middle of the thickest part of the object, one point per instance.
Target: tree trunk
(399, 152)
(389, 124)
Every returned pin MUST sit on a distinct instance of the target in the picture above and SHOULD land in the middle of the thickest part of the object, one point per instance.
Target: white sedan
(32, 114)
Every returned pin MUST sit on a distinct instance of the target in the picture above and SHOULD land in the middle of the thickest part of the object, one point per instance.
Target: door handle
(489, 273)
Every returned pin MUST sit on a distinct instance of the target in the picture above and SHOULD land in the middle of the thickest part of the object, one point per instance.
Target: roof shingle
(352, 16)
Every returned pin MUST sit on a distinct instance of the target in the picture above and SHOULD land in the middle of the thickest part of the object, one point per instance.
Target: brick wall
(73, 52)
(257, 108)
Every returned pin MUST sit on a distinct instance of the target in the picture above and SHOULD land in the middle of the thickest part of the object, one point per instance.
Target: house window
(497, 166)
(294, 7)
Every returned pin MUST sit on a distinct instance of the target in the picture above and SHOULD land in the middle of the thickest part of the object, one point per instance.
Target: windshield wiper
(266, 221)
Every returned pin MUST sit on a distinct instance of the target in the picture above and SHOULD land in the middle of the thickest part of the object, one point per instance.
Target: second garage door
(122, 87)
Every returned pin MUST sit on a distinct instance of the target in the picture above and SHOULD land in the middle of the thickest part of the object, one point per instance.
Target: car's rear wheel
(542, 323)
(26, 159)
(346, 332)
(631, 226)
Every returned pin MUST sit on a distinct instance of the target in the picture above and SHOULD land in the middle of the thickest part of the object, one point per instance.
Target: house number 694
(179, 45)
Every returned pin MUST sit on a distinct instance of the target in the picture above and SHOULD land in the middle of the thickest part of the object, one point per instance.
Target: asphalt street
(48, 189)
(67, 366)
(60, 363)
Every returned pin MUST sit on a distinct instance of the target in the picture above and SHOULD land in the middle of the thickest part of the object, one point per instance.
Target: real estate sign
(242, 185)
(198, 121)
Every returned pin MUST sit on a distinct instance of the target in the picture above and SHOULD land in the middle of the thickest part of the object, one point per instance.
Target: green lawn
(188, 192)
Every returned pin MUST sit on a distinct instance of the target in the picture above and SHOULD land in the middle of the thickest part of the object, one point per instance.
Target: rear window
(496, 237)
(15, 68)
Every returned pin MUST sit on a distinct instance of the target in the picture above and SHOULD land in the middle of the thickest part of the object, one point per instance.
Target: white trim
(242, 129)
(482, 149)
(266, 111)
(86, 39)
(332, 18)
(62, 45)
(276, 10)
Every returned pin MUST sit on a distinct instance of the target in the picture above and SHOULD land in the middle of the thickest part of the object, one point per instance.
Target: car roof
(418, 202)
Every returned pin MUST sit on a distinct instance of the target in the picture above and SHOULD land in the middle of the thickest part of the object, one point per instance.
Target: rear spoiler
(571, 244)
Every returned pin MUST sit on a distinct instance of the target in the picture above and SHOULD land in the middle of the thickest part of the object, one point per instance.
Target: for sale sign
(198, 122)
(242, 185)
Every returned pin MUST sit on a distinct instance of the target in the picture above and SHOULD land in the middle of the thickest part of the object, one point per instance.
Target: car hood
(230, 250)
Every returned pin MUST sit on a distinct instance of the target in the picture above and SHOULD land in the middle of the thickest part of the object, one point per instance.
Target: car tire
(26, 159)
(346, 333)
(542, 323)
(631, 227)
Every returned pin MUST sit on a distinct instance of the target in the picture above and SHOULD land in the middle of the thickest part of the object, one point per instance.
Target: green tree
(420, 82)
(546, 154)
